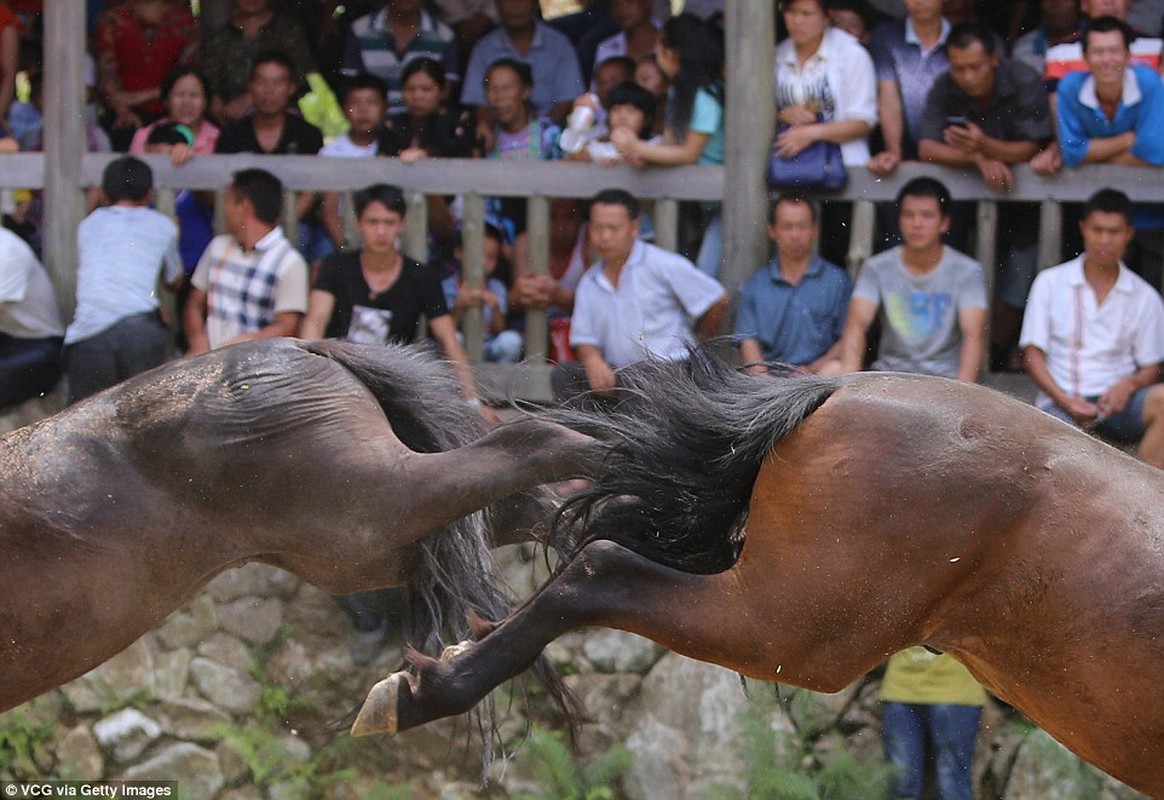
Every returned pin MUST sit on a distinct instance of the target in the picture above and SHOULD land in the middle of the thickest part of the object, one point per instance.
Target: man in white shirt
(31, 329)
(1093, 335)
(639, 301)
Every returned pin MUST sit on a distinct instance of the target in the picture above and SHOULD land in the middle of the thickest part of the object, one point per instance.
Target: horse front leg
(607, 585)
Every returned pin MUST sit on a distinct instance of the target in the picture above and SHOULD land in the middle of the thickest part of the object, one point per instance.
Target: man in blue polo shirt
(792, 310)
(521, 35)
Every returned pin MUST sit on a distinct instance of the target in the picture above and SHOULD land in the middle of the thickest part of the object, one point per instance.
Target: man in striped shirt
(251, 283)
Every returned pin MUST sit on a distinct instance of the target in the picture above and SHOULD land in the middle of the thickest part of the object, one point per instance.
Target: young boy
(502, 346)
(365, 104)
(931, 298)
(118, 330)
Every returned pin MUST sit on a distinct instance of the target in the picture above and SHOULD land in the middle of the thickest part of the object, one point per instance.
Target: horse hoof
(378, 713)
(454, 650)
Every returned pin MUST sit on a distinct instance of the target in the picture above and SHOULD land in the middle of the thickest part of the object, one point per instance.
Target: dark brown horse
(803, 530)
(353, 467)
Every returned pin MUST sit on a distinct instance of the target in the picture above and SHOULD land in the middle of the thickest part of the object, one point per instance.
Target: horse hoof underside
(378, 713)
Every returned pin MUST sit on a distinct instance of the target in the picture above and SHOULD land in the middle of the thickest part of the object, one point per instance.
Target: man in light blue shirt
(557, 76)
(792, 310)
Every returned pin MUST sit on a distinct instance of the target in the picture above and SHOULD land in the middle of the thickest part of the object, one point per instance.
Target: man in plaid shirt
(251, 282)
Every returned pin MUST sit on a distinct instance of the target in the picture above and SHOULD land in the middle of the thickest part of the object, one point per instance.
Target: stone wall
(234, 697)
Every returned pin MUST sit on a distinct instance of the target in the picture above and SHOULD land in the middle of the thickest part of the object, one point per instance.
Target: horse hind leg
(605, 585)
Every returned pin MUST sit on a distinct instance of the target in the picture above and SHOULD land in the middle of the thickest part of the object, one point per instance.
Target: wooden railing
(475, 180)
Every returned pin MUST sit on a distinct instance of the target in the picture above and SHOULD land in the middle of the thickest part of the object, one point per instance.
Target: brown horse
(353, 467)
(803, 530)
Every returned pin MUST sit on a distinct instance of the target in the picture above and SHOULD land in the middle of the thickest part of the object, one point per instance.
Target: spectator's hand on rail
(411, 155)
(1048, 162)
(600, 376)
(996, 174)
(884, 163)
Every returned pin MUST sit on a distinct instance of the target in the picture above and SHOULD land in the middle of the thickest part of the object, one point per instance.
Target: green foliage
(270, 762)
(1072, 777)
(22, 735)
(379, 790)
(566, 778)
(786, 766)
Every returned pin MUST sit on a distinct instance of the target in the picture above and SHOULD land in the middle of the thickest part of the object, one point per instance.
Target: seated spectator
(553, 292)
(555, 78)
(825, 87)
(908, 54)
(138, 43)
(852, 17)
(930, 298)
(1093, 336)
(384, 42)
(117, 329)
(470, 20)
(1059, 23)
(609, 73)
(31, 329)
(792, 310)
(638, 34)
(364, 106)
(631, 108)
(502, 346)
(592, 123)
(377, 294)
(228, 54)
(274, 129)
(185, 94)
(1113, 114)
(193, 210)
(825, 92)
(691, 56)
(1068, 56)
(637, 301)
(10, 32)
(250, 283)
(650, 77)
(986, 114)
(519, 134)
(425, 129)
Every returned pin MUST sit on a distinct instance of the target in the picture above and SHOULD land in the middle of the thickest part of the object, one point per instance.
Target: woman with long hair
(690, 54)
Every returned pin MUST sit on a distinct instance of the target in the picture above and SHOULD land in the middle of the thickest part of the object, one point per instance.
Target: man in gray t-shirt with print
(931, 298)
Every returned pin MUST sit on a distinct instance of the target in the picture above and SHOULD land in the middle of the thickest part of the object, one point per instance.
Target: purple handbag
(818, 165)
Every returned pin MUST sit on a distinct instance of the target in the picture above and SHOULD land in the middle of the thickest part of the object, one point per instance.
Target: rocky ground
(235, 695)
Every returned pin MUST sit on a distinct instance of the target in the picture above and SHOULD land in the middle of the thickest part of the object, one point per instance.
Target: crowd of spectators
(976, 85)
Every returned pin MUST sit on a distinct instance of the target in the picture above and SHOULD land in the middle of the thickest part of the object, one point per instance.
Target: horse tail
(686, 441)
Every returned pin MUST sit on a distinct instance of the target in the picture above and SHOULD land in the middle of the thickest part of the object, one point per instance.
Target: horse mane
(686, 441)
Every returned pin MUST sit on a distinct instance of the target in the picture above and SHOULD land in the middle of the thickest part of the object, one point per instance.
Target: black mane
(686, 443)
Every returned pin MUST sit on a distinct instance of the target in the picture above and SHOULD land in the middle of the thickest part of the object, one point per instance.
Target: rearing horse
(353, 467)
(802, 530)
